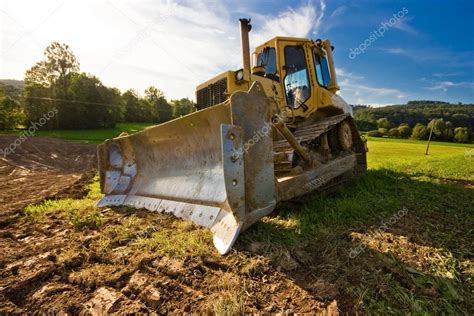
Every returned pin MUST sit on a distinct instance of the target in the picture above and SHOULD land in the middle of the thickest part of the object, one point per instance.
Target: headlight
(239, 75)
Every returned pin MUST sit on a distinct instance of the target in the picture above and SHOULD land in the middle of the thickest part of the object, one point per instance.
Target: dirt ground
(40, 168)
(46, 266)
(52, 266)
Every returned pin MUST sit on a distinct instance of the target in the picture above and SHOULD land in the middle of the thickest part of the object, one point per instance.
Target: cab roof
(272, 41)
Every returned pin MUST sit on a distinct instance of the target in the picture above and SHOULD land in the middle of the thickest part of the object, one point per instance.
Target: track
(311, 136)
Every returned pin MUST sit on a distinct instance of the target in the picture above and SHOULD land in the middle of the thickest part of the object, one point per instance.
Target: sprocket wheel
(345, 136)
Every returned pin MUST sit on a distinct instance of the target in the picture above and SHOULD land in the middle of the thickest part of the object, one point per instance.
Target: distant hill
(12, 88)
(460, 115)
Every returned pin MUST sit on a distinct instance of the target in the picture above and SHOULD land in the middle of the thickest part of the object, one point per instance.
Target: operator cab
(297, 73)
(300, 67)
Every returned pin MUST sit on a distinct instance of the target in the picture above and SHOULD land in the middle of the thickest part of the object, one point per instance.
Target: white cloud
(339, 11)
(448, 74)
(446, 85)
(397, 51)
(359, 89)
(171, 45)
(403, 25)
(341, 73)
(357, 92)
(448, 58)
(297, 22)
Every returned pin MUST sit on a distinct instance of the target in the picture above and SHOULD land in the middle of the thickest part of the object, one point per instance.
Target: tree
(182, 107)
(449, 132)
(60, 62)
(11, 113)
(363, 125)
(461, 119)
(404, 130)
(37, 102)
(384, 123)
(439, 128)
(90, 104)
(382, 131)
(131, 103)
(373, 133)
(393, 132)
(461, 135)
(38, 75)
(161, 110)
(49, 80)
(153, 98)
(461, 115)
(419, 132)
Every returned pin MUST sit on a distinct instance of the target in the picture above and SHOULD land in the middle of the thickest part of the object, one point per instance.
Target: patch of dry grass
(227, 297)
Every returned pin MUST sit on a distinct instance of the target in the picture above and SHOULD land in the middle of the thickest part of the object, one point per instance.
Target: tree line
(80, 100)
(416, 119)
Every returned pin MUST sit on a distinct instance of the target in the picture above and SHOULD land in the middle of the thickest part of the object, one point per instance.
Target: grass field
(398, 241)
(444, 160)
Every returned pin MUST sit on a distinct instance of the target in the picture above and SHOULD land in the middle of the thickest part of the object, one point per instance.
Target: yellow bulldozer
(263, 134)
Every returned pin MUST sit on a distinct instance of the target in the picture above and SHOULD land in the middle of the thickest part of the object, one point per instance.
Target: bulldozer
(270, 132)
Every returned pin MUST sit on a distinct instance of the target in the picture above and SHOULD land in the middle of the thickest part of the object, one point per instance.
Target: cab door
(296, 75)
(325, 97)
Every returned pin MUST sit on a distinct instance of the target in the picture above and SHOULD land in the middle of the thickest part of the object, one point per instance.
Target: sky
(386, 52)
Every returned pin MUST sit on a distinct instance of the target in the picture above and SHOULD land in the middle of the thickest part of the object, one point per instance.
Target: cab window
(296, 80)
(322, 70)
(267, 60)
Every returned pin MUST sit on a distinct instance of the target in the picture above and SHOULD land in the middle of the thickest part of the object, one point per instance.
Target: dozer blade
(213, 167)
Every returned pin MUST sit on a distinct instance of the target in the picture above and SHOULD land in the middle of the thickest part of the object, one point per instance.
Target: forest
(450, 122)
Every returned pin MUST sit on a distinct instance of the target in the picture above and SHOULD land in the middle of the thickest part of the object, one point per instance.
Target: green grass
(413, 141)
(91, 135)
(419, 265)
(176, 238)
(179, 239)
(445, 160)
(82, 213)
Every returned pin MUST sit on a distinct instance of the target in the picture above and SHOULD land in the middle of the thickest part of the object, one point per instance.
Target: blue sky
(428, 53)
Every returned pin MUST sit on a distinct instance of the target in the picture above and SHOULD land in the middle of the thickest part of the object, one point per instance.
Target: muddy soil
(53, 268)
(50, 266)
(40, 168)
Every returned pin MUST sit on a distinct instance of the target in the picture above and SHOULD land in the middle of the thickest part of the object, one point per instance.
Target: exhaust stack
(245, 28)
